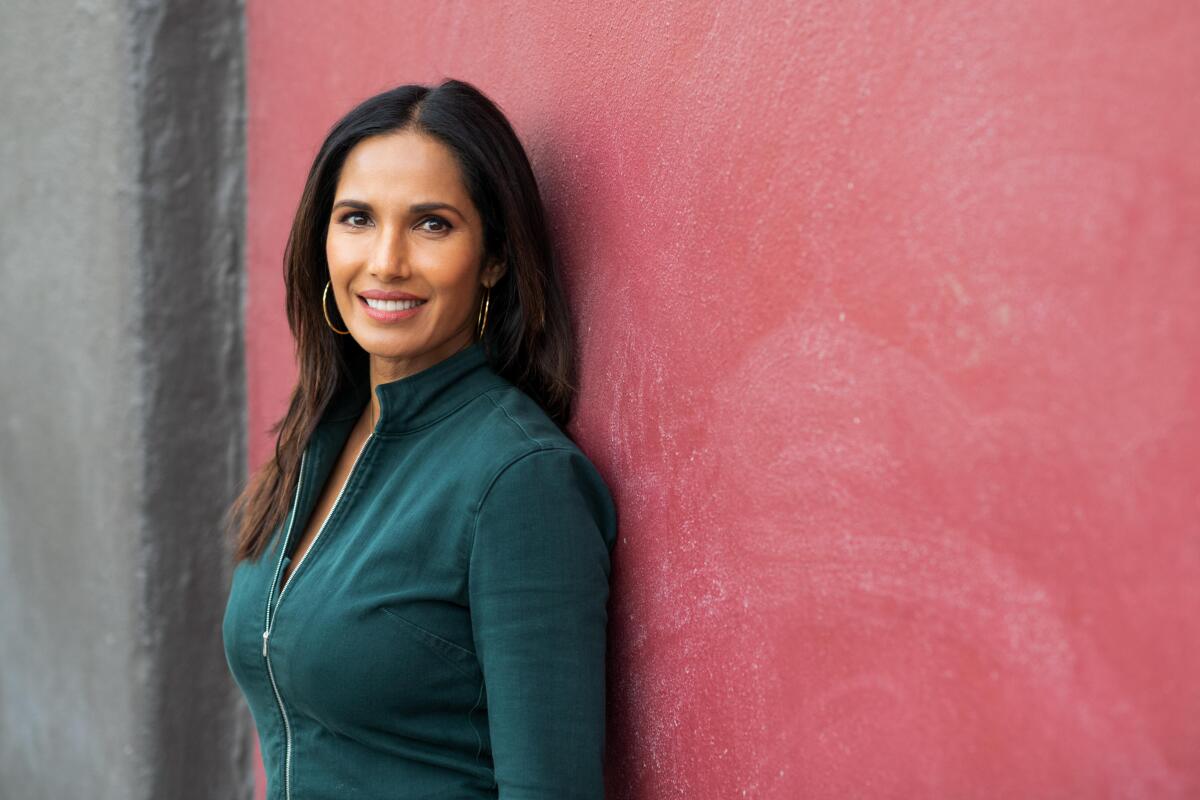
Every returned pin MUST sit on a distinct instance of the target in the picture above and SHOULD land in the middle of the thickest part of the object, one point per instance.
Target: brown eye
(347, 217)
(442, 224)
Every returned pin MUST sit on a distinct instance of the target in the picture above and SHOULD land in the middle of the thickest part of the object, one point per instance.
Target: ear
(494, 271)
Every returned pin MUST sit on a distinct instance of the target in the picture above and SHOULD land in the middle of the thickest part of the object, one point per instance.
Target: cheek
(335, 253)
(456, 297)
(341, 257)
(451, 274)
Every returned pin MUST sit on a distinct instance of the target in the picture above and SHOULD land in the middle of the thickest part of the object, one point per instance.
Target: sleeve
(538, 585)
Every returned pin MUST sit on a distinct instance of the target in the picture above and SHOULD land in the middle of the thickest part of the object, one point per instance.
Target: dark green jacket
(444, 634)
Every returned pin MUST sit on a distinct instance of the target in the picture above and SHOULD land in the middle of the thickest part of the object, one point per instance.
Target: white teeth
(392, 305)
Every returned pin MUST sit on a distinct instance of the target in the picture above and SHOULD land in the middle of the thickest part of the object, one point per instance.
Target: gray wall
(122, 401)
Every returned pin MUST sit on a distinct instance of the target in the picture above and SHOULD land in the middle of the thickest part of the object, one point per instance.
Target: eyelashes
(445, 225)
(344, 219)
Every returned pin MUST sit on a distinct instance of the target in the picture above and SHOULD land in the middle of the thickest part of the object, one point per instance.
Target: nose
(389, 254)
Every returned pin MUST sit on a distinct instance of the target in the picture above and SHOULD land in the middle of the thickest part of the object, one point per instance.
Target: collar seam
(396, 434)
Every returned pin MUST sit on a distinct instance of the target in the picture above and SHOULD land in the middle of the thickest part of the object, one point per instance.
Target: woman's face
(405, 252)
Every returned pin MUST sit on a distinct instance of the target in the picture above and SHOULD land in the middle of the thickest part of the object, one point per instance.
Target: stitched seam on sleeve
(513, 420)
(487, 492)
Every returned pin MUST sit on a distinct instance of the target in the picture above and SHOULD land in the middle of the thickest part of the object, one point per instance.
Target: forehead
(401, 168)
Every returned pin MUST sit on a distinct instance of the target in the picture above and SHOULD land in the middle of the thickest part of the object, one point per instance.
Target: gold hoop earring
(325, 310)
(481, 317)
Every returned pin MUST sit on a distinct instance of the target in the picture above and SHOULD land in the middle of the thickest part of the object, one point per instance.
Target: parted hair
(528, 338)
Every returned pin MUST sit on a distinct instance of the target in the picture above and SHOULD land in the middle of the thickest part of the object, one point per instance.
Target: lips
(391, 311)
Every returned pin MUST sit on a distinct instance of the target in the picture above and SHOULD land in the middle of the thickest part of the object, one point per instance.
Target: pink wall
(890, 338)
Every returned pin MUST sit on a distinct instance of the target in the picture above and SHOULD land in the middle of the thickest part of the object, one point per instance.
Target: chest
(375, 613)
(328, 497)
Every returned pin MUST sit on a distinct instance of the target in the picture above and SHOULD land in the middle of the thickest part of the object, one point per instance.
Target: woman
(418, 608)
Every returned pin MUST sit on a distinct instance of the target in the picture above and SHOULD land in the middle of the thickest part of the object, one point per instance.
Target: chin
(392, 347)
(395, 352)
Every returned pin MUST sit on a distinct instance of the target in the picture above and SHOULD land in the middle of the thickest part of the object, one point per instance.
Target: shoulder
(532, 463)
(519, 422)
(499, 424)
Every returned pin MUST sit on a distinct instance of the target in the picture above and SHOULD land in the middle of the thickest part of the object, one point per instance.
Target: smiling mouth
(392, 305)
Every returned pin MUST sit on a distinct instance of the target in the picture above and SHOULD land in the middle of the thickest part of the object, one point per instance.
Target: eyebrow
(415, 208)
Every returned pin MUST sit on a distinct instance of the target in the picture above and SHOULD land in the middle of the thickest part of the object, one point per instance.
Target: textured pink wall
(890, 338)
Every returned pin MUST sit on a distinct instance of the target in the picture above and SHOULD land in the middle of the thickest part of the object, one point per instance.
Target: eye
(439, 221)
(345, 218)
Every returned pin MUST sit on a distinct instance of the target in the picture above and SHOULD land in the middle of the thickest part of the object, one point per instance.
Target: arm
(538, 585)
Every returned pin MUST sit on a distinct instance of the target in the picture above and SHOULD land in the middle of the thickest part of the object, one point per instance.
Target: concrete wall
(122, 408)
(890, 353)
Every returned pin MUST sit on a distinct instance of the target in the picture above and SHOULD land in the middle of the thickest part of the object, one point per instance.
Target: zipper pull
(266, 633)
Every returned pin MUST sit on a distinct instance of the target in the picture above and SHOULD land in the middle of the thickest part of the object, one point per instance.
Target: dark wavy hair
(528, 338)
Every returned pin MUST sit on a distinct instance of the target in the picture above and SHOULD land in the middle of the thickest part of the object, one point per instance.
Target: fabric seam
(450, 412)
(542, 448)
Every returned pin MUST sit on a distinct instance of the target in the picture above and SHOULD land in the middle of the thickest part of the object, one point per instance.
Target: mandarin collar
(422, 398)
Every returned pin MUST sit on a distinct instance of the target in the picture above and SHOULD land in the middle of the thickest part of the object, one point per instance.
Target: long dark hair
(528, 337)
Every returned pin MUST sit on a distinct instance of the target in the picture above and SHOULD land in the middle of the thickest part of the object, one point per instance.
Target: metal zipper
(267, 625)
(283, 547)
(270, 626)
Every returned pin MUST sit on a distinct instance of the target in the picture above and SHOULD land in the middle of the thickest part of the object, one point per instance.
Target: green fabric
(444, 636)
